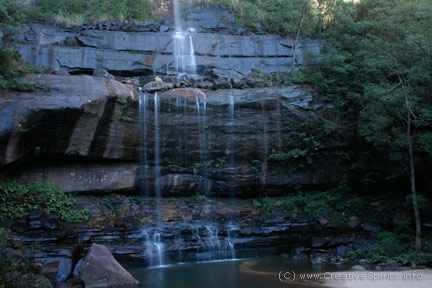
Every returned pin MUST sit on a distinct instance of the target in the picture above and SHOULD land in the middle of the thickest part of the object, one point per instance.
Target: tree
(377, 60)
(395, 108)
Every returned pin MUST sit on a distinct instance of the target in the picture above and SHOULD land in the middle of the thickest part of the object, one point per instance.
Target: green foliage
(12, 16)
(122, 101)
(65, 7)
(274, 16)
(311, 147)
(388, 245)
(113, 203)
(277, 79)
(200, 198)
(77, 12)
(19, 198)
(12, 65)
(331, 204)
(256, 165)
(264, 204)
(15, 85)
(119, 117)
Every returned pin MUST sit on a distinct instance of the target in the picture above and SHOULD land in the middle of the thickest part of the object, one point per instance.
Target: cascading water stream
(154, 247)
(211, 243)
(157, 151)
(142, 120)
(231, 130)
(265, 144)
(184, 52)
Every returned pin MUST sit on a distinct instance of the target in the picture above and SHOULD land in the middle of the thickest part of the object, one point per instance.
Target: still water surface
(252, 273)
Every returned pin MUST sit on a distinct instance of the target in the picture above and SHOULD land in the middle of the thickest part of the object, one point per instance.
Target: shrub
(12, 16)
(63, 7)
(12, 65)
(274, 16)
(387, 246)
(19, 198)
(77, 12)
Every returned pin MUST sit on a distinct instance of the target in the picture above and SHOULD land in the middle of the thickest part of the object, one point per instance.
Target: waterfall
(197, 104)
(154, 247)
(157, 150)
(192, 60)
(265, 144)
(177, 16)
(184, 52)
(231, 132)
(210, 245)
(206, 131)
(142, 120)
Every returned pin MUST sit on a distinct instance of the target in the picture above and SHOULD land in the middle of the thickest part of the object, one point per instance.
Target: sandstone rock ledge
(100, 269)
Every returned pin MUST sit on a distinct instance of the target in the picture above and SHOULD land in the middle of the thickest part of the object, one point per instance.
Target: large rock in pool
(100, 269)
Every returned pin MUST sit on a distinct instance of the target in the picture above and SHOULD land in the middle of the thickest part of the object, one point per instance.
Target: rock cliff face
(96, 134)
(86, 135)
(139, 50)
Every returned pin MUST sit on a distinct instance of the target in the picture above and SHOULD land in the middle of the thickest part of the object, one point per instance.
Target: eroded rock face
(90, 134)
(144, 53)
(100, 269)
(34, 123)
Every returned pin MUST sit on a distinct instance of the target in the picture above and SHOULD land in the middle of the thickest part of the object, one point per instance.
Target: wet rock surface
(95, 122)
(187, 229)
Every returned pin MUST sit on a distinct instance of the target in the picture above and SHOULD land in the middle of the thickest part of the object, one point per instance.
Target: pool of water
(251, 273)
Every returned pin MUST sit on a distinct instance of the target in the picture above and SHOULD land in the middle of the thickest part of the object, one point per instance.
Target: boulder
(253, 81)
(100, 269)
(318, 242)
(156, 86)
(102, 73)
(353, 222)
(341, 250)
(323, 221)
(358, 268)
(55, 71)
(389, 265)
(371, 227)
(222, 83)
(37, 219)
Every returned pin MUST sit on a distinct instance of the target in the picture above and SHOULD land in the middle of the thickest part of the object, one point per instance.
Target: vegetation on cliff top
(78, 12)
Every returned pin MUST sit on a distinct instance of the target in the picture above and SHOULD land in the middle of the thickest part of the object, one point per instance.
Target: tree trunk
(294, 46)
(412, 180)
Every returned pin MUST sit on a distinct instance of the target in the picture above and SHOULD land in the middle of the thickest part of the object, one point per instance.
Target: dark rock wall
(84, 137)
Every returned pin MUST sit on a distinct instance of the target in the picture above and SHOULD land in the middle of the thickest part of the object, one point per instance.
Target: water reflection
(255, 273)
